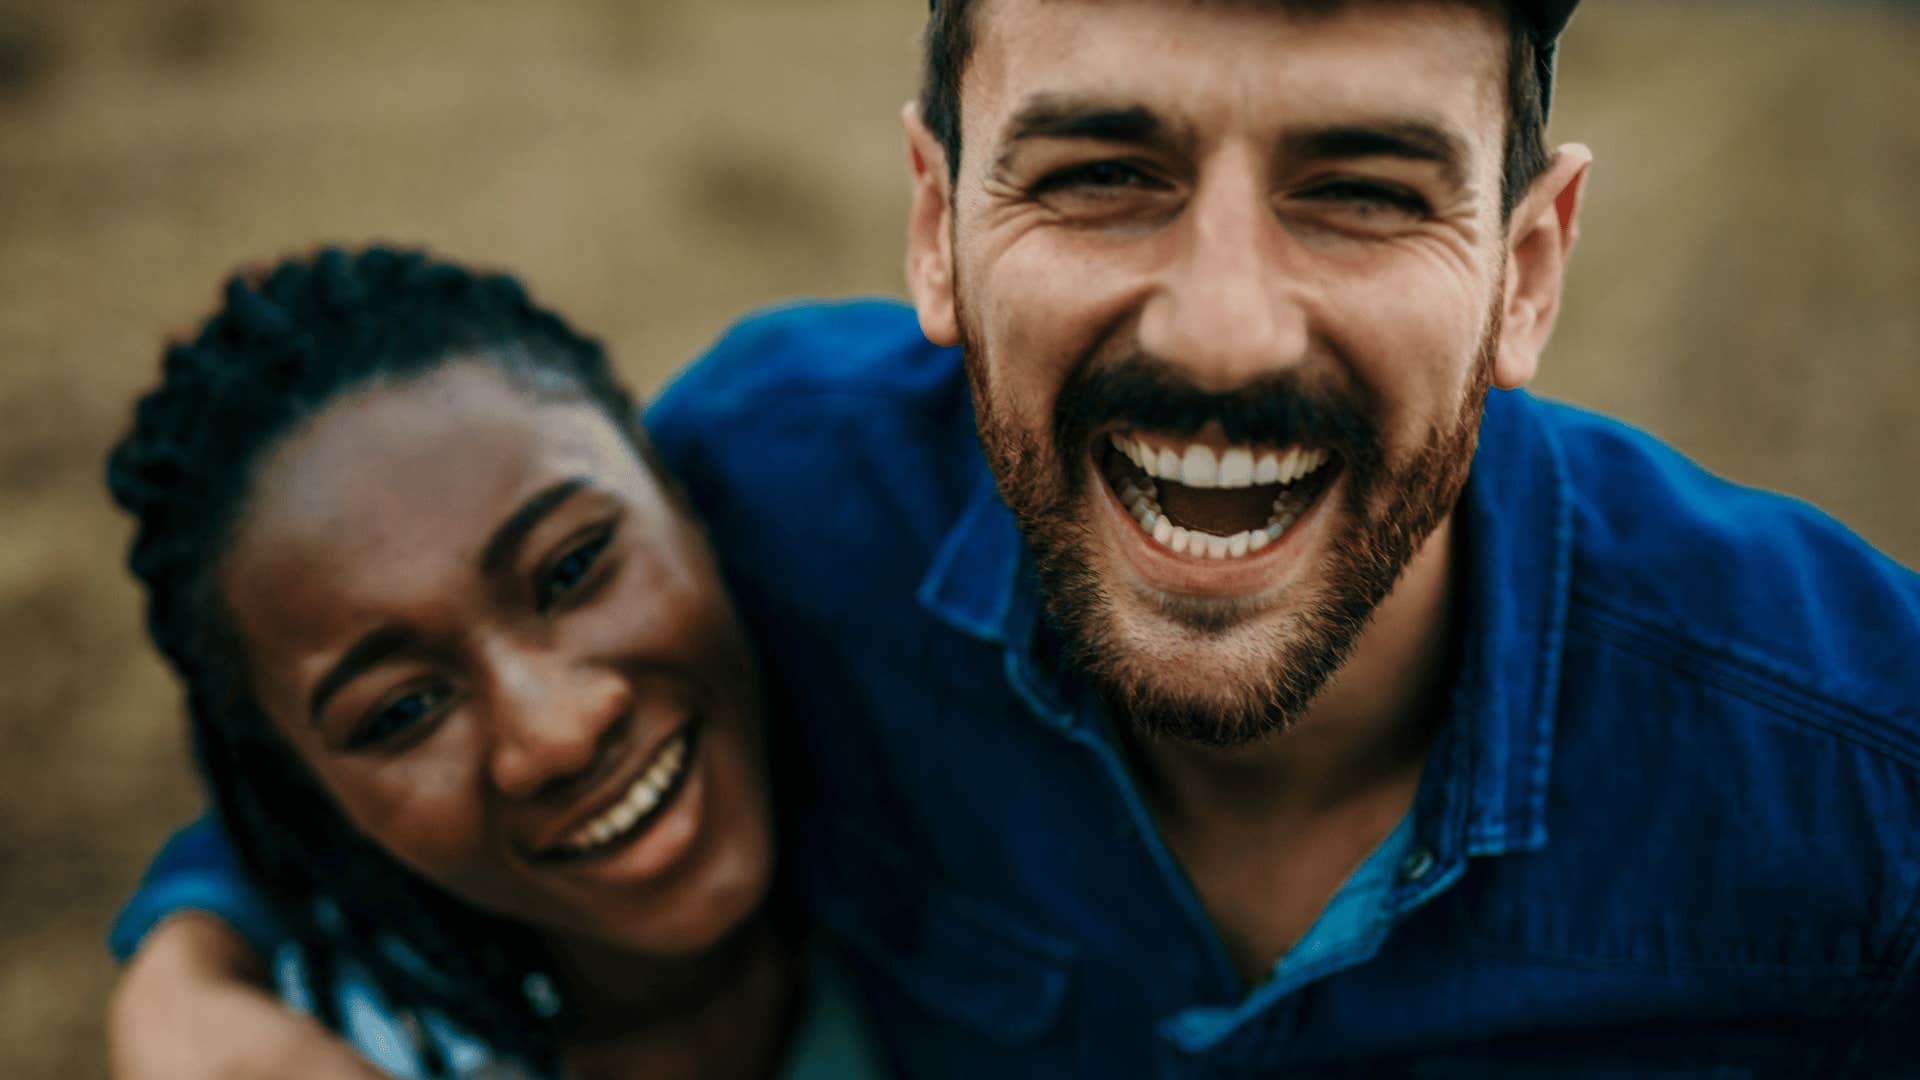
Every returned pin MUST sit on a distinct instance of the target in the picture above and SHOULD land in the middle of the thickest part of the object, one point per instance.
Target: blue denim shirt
(1670, 826)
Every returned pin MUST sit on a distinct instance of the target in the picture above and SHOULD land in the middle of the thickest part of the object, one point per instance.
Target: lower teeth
(1154, 522)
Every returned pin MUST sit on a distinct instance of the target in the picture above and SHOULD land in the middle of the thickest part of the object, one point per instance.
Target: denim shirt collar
(1514, 526)
(978, 569)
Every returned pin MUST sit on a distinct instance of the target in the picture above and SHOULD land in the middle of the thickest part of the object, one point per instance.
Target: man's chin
(1209, 726)
(1245, 679)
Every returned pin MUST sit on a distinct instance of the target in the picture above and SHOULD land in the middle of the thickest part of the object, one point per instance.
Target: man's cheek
(1413, 362)
(1024, 391)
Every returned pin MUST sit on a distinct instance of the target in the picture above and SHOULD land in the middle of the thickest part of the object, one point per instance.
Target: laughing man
(1208, 661)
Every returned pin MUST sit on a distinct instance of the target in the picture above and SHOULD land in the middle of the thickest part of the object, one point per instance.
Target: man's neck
(1267, 833)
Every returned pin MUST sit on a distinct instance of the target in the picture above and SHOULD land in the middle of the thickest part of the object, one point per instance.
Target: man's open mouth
(1214, 501)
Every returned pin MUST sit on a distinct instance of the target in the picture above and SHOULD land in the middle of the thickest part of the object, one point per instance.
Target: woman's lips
(622, 814)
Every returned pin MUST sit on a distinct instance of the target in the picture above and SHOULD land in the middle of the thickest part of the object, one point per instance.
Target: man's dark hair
(948, 42)
(280, 349)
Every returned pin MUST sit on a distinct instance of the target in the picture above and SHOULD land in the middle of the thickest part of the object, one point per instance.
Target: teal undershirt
(1349, 930)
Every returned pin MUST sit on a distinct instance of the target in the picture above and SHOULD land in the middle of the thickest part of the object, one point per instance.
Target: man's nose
(1228, 303)
(550, 717)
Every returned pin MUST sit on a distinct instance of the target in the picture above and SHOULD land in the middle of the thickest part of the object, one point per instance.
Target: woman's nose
(550, 717)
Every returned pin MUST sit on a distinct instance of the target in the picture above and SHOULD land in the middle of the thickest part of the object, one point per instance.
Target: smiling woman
(465, 684)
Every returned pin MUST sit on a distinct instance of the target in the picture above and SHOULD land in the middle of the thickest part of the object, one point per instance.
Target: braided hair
(282, 346)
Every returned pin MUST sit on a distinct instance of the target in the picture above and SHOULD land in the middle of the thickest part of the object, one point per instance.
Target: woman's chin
(717, 893)
(702, 919)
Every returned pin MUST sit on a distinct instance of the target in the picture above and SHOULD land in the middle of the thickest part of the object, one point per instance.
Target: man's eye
(1369, 197)
(565, 574)
(399, 716)
(1096, 176)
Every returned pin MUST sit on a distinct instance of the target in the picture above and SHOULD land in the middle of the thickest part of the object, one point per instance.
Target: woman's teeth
(639, 801)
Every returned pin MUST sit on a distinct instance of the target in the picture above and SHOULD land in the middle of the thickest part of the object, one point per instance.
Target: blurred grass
(1746, 284)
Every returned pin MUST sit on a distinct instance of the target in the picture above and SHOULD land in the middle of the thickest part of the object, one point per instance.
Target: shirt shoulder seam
(1750, 677)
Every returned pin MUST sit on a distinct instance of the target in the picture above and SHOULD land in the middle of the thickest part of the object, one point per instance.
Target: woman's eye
(565, 574)
(399, 716)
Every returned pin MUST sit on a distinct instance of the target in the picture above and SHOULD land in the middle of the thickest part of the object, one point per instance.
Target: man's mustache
(1281, 409)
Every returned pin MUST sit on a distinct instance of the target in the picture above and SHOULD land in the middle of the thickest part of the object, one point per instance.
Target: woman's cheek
(425, 813)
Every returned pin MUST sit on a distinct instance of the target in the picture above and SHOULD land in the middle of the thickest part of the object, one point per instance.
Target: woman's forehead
(423, 470)
(466, 430)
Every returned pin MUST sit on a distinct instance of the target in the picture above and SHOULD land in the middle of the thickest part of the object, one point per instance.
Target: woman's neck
(722, 1013)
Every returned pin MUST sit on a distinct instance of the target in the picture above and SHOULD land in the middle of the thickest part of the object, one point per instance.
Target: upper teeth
(642, 797)
(1200, 466)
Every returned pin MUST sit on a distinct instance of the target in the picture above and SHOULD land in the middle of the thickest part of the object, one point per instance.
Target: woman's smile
(634, 806)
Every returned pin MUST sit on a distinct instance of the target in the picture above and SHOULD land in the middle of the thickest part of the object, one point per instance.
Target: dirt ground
(1746, 286)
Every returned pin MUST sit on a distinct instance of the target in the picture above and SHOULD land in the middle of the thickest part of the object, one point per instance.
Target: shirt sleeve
(195, 871)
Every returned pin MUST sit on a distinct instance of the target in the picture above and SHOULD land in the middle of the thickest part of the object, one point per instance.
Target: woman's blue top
(831, 1042)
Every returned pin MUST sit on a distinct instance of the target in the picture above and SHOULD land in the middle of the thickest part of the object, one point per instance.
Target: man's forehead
(1542, 19)
(1180, 59)
(1381, 13)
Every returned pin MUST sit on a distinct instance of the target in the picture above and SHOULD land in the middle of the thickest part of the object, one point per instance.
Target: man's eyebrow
(510, 533)
(369, 651)
(1411, 140)
(1061, 116)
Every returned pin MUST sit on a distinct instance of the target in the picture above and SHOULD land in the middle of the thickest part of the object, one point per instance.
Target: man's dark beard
(1048, 492)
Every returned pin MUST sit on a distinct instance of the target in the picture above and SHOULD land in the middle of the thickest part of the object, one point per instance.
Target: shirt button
(1417, 864)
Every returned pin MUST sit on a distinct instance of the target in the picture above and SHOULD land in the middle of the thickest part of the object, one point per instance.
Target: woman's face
(508, 656)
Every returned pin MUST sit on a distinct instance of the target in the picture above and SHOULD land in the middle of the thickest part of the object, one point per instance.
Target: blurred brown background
(1746, 287)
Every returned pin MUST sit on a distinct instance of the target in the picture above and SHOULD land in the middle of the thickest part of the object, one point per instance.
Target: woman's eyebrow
(511, 532)
(369, 651)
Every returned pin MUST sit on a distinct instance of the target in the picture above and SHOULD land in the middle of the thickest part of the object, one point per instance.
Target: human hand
(194, 1002)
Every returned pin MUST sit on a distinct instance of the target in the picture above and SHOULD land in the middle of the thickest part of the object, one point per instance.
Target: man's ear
(1540, 237)
(930, 231)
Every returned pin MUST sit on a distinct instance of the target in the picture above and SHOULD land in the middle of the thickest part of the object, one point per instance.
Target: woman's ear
(1540, 238)
(930, 230)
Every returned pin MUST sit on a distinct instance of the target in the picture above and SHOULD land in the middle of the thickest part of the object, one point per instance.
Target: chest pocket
(975, 978)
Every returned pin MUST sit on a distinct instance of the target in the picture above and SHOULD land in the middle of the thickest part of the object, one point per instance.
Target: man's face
(1228, 281)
